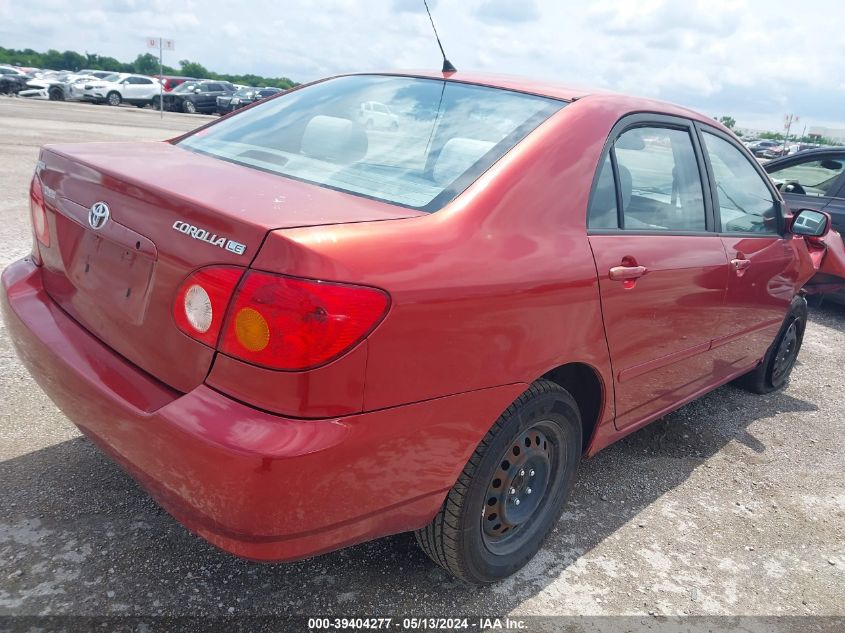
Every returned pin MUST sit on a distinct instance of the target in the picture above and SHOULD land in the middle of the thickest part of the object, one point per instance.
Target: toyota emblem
(98, 215)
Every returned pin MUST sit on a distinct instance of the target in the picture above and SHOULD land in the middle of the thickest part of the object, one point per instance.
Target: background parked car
(243, 97)
(56, 85)
(12, 80)
(195, 96)
(74, 89)
(758, 148)
(115, 89)
(814, 179)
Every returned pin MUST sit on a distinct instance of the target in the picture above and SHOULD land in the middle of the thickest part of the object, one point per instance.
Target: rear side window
(746, 204)
(659, 183)
(438, 137)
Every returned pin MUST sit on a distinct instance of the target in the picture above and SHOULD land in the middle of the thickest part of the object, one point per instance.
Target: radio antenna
(447, 65)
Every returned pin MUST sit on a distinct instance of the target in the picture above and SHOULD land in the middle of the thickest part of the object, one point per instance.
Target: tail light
(38, 212)
(277, 321)
(287, 323)
(200, 306)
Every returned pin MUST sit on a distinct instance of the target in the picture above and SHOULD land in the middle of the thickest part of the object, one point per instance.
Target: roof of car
(819, 151)
(555, 90)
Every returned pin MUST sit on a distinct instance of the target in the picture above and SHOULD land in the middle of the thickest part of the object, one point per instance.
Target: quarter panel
(498, 287)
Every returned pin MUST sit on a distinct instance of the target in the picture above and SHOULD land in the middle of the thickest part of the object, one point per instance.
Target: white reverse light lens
(198, 308)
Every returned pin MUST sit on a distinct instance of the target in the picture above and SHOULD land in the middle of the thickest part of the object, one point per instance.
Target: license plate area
(115, 276)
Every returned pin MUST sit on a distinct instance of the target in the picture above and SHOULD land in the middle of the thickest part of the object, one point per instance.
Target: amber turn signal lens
(251, 329)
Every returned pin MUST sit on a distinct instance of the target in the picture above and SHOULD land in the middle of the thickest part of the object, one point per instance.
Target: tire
(113, 98)
(535, 442)
(776, 367)
(189, 106)
(56, 94)
(155, 103)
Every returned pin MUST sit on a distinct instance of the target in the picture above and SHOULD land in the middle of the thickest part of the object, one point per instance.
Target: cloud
(508, 11)
(741, 58)
(412, 6)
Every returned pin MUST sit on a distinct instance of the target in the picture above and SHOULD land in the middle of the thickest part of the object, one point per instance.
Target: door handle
(740, 264)
(627, 273)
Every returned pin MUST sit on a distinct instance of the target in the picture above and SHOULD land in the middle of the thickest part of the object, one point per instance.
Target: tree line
(146, 64)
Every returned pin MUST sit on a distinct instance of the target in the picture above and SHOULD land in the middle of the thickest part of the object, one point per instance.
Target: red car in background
(299, 333)
(169, 82)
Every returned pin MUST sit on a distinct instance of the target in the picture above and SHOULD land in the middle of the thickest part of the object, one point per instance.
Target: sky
(755, 60)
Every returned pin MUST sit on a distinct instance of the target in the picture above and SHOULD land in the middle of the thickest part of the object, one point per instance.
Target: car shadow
(76, 523)
(82, 538)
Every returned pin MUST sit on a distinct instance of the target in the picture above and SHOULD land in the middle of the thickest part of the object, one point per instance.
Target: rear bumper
(258, 485)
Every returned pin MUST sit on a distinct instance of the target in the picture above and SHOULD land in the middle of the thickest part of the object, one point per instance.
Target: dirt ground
(734, 505)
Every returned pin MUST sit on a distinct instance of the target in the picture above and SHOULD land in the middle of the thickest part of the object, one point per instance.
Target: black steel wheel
(774, 370)
(786, 354)
(512, 490)
(519, 487)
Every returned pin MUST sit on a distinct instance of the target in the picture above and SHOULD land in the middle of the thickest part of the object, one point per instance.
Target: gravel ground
(734, 505)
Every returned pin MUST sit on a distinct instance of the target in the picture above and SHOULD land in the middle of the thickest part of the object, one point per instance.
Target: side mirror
(810, 223)
(197, 91)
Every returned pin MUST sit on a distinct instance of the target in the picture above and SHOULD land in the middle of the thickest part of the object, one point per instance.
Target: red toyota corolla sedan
(299, 333)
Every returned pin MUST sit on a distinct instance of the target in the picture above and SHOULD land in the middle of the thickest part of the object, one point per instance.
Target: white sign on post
(162, 45)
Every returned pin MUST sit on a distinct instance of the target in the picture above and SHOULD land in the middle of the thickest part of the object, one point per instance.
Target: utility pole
(788, 120)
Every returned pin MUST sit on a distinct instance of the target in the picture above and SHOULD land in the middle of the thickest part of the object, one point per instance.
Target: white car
(53, 85)
(120, 88)
(375, 115)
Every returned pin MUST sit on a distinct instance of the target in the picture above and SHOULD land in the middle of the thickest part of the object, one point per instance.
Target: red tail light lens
(293, 324)
(200, 306)
(38, 212)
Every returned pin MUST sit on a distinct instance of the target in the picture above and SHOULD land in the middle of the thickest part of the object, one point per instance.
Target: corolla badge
(204, 235)
(98, 216)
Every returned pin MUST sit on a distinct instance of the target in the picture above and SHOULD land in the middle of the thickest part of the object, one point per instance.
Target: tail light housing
(200, 306)
(277, 321)
(38, 212)
(288, 323)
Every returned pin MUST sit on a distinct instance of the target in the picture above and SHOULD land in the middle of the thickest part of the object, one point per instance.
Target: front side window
(746, 204)
(439, 137)
(810, 177)
(659, 180)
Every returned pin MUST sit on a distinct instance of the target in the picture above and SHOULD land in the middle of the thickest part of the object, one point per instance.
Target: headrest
(334, 139)
(458, 155)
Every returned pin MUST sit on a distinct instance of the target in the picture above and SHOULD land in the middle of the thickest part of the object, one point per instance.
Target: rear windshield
(409, 141)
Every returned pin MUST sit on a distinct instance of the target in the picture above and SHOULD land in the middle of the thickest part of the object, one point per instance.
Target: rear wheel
(189, 106)
(776, 367)
(113, 99)
(512, 491)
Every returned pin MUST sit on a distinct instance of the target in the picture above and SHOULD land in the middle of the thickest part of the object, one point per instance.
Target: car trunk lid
(170, 212)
